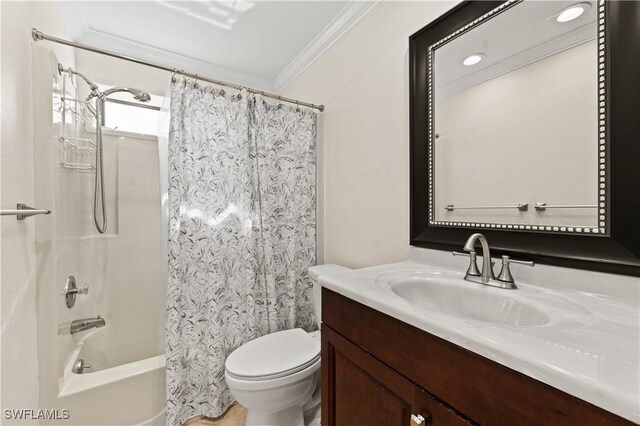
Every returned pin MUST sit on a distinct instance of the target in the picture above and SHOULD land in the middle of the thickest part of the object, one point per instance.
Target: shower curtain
(242, 232)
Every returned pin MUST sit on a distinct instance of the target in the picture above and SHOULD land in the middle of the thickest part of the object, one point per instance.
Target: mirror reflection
(515, 112)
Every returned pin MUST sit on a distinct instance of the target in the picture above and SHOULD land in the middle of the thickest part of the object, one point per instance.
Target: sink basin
(468, 301)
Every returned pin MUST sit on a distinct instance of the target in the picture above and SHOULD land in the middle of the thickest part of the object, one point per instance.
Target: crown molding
(340, 25)
(74, 18)
(82, 32)
(127, 47)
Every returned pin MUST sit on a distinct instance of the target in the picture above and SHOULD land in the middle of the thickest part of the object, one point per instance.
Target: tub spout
(86, 324)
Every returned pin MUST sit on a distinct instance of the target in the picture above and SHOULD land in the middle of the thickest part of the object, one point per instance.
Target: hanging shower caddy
(76, 153)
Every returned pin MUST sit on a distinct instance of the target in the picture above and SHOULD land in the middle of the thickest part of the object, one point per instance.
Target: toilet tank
(316, 272)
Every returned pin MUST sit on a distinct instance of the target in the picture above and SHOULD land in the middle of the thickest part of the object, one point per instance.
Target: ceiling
(262, 44)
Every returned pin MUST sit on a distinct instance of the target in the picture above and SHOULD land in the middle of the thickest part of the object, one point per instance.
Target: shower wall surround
(121, 269)
(242, 232)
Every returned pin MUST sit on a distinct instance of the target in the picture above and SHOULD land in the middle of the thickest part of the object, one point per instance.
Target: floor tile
(235, 416)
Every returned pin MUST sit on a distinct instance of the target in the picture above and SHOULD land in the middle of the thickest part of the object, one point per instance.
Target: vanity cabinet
(377, 370)
(366, 392)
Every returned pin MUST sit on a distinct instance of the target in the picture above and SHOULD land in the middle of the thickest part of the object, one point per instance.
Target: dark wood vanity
(377, 370)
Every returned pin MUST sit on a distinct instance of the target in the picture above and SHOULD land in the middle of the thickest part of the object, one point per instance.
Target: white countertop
(590, 350)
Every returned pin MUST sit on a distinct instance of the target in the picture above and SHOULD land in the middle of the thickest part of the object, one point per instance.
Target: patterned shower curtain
(242, 232)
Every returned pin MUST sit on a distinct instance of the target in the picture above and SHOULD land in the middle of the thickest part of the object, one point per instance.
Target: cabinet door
(357, 389)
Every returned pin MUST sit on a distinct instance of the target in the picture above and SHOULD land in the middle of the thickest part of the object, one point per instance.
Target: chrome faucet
(86, 324)
(486, 276)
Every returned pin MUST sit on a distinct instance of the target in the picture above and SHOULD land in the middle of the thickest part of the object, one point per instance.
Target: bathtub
(130, 394)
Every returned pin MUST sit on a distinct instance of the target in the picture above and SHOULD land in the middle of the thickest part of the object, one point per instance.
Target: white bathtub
(131, 394)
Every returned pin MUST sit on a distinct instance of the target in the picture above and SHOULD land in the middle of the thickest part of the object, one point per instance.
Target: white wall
(363, 80)
(19, 369)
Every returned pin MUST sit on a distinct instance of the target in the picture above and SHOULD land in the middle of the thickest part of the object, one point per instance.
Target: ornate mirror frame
(614, 246)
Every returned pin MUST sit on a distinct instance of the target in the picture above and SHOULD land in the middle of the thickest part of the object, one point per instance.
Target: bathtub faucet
(86, 324)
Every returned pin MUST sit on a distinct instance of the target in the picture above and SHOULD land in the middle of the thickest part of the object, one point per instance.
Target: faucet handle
(472, 270)
(71, 290)
(505, 272)
(521, 262)
(78, 290)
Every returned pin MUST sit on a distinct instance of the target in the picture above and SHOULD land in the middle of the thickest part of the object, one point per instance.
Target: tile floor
(235, 416)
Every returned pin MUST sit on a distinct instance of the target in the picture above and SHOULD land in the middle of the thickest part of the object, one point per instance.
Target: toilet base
(312, 416)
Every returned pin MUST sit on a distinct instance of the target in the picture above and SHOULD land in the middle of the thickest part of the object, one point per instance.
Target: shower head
(138, 95)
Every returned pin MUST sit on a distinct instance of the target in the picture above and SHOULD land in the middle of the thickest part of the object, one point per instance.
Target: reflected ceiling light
(473, 59)
(572, 12)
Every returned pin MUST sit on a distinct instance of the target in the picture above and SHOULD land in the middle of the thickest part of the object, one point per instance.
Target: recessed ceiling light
(473, 59)
(572, 12)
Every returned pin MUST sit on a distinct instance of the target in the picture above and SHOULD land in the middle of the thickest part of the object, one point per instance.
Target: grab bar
(23, 211)
(544, 206)
(522, 207)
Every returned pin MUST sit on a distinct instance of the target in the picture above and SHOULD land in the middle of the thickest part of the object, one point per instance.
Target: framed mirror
(518, 112)
(513, 132)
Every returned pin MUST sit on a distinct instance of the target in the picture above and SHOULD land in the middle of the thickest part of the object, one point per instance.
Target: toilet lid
(274, 355)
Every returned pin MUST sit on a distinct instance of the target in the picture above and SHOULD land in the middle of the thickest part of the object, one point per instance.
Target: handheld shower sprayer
(98, 199)
(101, 96)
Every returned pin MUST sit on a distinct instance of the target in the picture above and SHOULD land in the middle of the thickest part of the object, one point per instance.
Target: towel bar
(23, 211)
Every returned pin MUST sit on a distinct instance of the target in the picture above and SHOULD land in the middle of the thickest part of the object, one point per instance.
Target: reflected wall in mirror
(517, 119)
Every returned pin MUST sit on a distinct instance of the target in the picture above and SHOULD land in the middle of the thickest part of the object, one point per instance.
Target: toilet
(277, 376)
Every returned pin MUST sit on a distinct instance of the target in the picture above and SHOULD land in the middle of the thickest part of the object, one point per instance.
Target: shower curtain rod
(39, 35)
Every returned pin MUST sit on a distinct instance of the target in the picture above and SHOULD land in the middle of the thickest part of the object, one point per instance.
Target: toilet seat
(264, 384)
(273, 356)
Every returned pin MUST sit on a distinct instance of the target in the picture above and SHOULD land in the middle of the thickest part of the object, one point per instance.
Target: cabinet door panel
(360, 399)
(359, 390)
